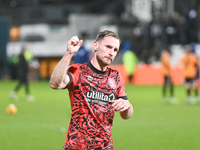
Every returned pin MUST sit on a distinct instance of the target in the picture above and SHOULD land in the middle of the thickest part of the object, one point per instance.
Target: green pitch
(42, 124)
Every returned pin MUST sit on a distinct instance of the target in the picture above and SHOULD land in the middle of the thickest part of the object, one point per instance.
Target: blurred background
(146, 27)
(45, 26)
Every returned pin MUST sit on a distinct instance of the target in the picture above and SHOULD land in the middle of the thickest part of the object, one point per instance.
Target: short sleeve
(121, 89)
(73, 73)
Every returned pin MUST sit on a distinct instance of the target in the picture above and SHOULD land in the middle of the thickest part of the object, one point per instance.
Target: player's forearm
(59, 77)
(127, 113)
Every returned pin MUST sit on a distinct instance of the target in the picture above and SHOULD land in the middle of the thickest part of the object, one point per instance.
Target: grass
(42, 124)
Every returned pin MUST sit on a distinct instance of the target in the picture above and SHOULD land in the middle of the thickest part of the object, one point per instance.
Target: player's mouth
(108, 58)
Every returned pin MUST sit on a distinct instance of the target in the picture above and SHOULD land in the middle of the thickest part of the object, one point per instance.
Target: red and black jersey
(91, 92)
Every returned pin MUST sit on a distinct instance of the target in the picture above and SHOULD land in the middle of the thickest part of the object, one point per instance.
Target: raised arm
(59, 78)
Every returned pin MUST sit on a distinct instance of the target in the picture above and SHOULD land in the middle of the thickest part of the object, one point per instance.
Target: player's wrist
(70, 52)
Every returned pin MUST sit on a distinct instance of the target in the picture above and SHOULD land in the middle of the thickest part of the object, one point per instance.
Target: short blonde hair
(107, 33)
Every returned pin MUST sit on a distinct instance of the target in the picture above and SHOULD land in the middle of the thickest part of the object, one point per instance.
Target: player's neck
(97, 64)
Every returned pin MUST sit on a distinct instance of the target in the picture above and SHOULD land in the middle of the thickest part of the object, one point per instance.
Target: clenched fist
(74, 44)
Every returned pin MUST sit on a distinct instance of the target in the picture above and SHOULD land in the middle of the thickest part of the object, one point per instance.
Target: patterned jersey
(91, 92)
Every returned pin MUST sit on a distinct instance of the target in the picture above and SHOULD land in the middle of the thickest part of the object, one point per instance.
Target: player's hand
(120, 105)
(74, 44)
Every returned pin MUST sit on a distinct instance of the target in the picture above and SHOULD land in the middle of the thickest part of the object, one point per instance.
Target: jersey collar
(89, 64)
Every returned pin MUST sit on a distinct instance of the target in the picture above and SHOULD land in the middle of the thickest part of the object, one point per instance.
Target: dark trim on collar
(89, 64)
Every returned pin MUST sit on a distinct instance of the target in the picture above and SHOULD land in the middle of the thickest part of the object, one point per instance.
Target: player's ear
(95, 45)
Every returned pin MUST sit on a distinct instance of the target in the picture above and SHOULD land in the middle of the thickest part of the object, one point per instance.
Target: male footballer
(95, 92)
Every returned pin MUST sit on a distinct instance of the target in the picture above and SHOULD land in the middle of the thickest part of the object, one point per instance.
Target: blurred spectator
(156, 50)
(171, 31)
(155, 30)
(144, 56)
(166, 68)
(192, 26)
(191, 65)
(23, 70)
(129, 60)
(182, 30)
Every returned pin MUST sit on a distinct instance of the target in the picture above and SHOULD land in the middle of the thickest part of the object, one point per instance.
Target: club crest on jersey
(89, 78)
(111, 83)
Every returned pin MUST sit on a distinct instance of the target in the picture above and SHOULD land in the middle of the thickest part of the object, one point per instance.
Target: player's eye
(108, 46)
(116, 50)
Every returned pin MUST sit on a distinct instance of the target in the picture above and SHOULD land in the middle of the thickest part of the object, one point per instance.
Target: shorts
(190, 80)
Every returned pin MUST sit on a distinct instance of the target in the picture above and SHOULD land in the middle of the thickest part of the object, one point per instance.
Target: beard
(103, 61)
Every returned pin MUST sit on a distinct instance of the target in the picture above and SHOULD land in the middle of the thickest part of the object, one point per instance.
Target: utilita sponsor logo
(94, 95)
